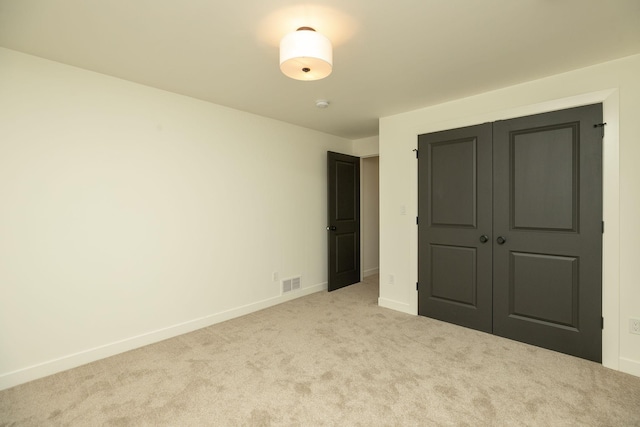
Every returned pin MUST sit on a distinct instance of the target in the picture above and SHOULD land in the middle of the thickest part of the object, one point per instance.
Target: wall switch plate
(275, 276)
(634, 326)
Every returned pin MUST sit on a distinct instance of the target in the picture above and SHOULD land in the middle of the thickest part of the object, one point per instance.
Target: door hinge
(416, 150)
(602, 322)
(417, 222)
(417, 286)
(602, 227)
(601, 126)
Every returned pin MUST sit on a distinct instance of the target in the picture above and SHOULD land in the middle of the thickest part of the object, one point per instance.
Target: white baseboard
(630, 366)
(54, 366)
(370, 272)
(395, 305)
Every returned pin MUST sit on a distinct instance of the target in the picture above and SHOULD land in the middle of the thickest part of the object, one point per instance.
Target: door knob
(331, 228)
(484, 238)
(501, 240)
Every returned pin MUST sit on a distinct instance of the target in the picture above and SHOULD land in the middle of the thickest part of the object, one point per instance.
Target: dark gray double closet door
(510, 232)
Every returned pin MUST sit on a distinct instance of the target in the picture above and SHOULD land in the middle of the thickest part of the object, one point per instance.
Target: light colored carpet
(331, 359)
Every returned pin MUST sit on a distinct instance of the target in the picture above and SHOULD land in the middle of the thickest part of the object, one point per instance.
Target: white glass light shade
(306, 55)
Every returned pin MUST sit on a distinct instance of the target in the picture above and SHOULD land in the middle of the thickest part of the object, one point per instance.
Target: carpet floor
(331, 359)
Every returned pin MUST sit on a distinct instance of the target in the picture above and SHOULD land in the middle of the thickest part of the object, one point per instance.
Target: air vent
(291, 284)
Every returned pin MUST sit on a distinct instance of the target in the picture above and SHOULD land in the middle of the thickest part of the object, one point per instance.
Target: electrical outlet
(274, 277)
(391, 279)
(634, 326)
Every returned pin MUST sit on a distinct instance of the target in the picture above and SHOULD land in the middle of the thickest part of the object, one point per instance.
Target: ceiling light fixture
(306, 55)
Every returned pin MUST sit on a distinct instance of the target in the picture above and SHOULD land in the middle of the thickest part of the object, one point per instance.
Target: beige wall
(370, 210)
(617, 85)
(130, 214)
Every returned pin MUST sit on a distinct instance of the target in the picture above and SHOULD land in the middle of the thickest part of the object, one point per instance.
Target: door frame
(611, 202)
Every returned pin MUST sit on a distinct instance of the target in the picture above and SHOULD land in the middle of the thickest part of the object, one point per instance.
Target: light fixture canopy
(306, 55)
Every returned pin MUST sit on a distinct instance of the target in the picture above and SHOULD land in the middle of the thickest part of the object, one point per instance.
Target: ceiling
(389, 56)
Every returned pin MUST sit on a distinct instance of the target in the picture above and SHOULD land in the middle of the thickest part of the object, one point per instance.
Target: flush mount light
(306, 55)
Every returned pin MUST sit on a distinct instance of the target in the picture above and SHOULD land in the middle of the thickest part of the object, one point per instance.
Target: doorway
(370, 215)
(353, 198)
(512, 242)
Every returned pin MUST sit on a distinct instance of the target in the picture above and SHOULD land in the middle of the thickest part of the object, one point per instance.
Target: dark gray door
(454, 207)
(548, 230)
(539, 273)
(344, 219)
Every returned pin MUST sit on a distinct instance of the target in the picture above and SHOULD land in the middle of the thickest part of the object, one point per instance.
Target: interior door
(344, 219)
(454, 231)
(548, 230)
(531, 189)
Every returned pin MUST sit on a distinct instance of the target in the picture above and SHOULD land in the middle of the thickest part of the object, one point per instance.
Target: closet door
(548, 230)
(454, 231)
